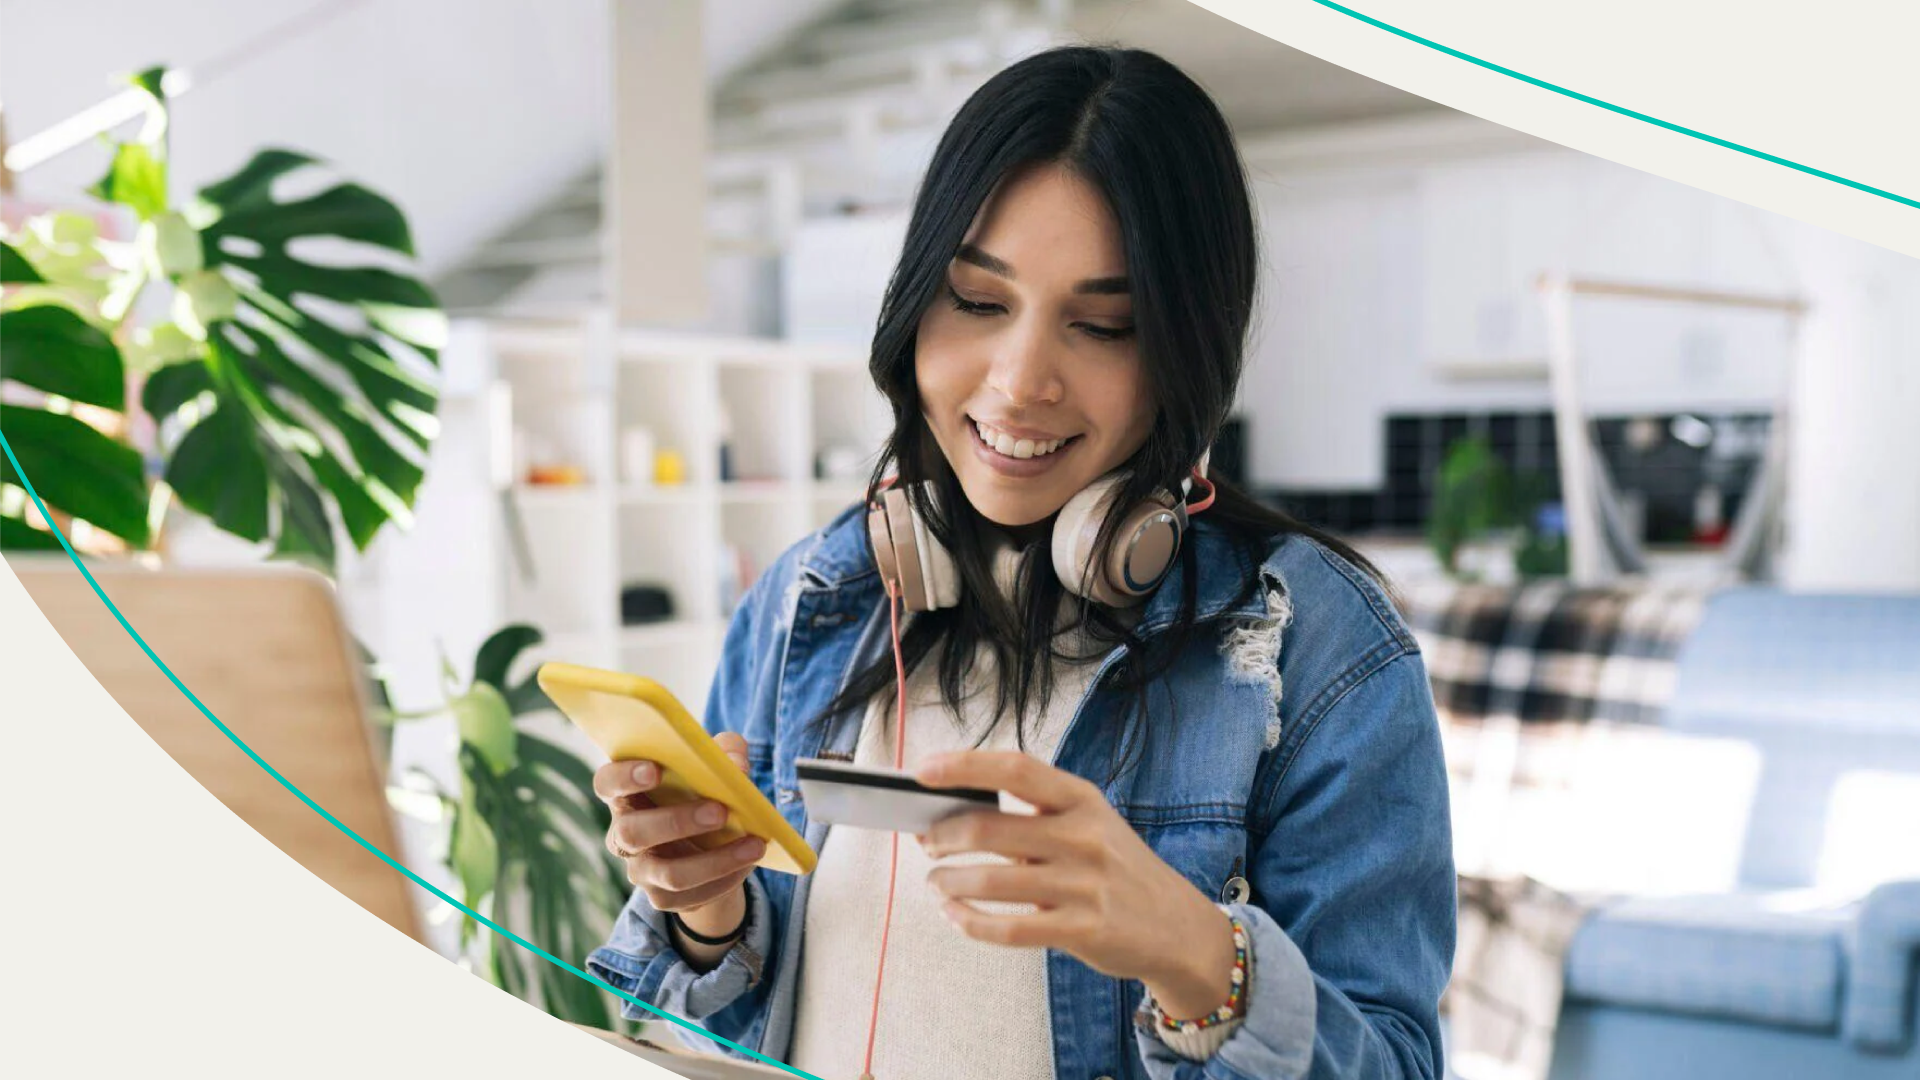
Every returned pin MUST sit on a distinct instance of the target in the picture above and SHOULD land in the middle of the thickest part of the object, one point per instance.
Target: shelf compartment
(765, 422)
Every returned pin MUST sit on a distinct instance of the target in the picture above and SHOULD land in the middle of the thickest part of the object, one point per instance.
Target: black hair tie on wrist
(738, 932)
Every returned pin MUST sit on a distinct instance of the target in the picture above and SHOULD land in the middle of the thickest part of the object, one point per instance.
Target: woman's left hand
(1100, 893)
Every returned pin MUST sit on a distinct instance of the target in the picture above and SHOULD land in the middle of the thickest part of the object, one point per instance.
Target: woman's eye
(1107, 333)
(1092, 330)
(961, 303)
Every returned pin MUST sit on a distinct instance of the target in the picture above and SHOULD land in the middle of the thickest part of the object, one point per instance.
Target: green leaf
(170, 245)
(359, 512)
(304, 529)
(203, 298)
(485, 724)
(252, 186)
(347, 211)
(137, 179)
(328, 365)
(218, 469)
(52, 349)
(566, 803)
(473, 854)
(78, 470)
(15, 269)
(538, 751)
(287, 277)
(495, 660)
(17, 535)
(171, 387)
(374, 455)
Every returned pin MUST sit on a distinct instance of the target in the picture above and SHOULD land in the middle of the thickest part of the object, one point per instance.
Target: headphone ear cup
(941, 575)
(1075, 532)
(906, 550)
(925, 546)
(880, 537)
(1144, 547)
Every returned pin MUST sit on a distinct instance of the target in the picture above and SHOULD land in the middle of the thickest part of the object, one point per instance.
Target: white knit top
(951, 1007)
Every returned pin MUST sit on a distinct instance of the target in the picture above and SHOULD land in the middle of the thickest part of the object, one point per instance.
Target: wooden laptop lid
(265, 649)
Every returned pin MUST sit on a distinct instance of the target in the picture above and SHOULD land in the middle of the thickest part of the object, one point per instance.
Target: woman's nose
(1023, 369)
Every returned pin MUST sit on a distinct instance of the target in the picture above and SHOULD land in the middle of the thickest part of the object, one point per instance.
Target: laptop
(265, 649)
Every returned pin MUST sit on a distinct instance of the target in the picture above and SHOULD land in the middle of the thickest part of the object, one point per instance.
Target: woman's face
(1027, 363)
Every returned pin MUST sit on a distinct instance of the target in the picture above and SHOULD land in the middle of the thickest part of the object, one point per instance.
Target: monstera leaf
(314, 400)
(525, 833)
(76, 469)
(294, 388)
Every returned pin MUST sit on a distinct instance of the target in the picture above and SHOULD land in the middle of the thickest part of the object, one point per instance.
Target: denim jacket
(1298, 780)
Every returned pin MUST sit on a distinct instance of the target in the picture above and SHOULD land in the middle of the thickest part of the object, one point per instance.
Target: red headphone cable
(893, 870)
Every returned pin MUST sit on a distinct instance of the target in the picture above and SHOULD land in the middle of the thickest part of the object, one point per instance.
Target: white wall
(1380, 278)
(467, 113)
(1854, 494)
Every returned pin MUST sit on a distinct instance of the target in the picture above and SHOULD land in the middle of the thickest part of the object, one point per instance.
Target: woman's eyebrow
(1106, 286)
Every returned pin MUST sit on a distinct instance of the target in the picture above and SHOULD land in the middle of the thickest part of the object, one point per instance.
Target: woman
(1234, 861)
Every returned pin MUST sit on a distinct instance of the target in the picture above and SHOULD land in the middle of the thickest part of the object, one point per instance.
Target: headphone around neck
(923, 573)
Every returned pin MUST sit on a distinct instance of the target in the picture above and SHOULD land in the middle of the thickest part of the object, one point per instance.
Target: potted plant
(524, 833)
(291, 398)
(1477, 497)
(287, 393)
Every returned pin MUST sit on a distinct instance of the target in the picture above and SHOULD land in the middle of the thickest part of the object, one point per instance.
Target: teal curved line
(336, 822)
(1610, 107)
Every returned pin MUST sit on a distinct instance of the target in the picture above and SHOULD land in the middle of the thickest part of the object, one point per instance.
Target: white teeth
(1016, 448)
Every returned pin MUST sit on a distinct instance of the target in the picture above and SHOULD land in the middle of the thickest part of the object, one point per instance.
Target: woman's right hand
(702, 886)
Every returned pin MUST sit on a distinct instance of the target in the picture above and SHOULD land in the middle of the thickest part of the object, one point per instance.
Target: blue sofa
(1760, 984)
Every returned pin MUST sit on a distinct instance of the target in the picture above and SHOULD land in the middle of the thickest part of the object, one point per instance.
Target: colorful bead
(1226, 1012)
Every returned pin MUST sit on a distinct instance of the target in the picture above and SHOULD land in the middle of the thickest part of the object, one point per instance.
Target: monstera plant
(290, 378)
(524, 834)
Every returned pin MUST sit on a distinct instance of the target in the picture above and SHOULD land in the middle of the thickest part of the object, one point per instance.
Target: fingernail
(752, 849)
(643, 773)
(710, 814)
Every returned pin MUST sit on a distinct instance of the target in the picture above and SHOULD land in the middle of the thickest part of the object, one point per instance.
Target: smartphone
(632, 718)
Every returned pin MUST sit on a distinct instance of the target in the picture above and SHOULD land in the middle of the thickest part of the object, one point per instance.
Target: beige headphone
(1143, 549)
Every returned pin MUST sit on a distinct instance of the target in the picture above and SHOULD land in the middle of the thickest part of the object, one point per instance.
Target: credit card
(843, 794)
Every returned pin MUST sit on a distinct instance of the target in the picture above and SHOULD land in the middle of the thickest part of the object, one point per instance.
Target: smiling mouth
(1017, 448)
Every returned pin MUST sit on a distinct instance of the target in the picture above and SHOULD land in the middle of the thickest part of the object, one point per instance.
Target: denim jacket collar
(841, 558)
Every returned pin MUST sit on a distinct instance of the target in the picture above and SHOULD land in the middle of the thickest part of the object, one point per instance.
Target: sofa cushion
(1767, 958)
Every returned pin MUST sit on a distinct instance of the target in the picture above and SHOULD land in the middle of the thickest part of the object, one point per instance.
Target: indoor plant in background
(290, 384)
(524, 834)
(286, 391)
(1476, 495)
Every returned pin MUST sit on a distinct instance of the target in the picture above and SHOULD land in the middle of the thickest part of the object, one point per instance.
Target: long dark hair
(1142, 133)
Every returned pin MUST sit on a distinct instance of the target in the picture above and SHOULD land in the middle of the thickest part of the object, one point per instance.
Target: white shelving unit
(573, 388)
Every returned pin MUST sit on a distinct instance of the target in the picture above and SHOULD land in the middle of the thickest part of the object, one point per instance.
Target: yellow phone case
(630, 717)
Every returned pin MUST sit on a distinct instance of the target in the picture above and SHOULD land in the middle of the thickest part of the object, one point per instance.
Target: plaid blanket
(1525, 679)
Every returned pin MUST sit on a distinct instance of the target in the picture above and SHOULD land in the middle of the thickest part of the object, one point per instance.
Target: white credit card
(843, 794)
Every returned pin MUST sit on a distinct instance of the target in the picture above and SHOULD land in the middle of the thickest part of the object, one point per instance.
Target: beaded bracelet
(1236, 999)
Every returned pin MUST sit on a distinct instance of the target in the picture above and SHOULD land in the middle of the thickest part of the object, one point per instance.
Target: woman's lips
(1018, 468)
